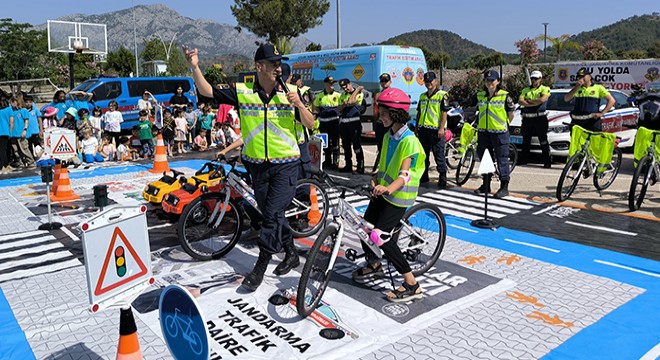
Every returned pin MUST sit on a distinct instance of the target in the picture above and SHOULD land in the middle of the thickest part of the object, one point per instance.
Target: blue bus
(127, 92)
(363, 66)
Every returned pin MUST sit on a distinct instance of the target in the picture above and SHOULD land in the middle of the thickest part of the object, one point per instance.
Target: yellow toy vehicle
(156, 191)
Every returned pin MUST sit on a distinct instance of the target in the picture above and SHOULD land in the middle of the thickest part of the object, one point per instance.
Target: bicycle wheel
(570, 176)
(423, 237)
(513, 157)
(316, 273)
(197, 234)
(195, 343)
(603, 180)
(465, 167)
(307, 212)
(452, 155)
(170, 326)
(640, 183)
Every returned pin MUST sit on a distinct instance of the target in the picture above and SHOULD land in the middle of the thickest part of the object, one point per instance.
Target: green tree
(482, 62)
(121, 61)
(215, 75)
(328, 68)
(560, 43)
(313, 47)
(437, 60)
(595, 50)
(632, 54)
(177, 64)
(654, 50)
(283, 45)
(24, 52)
(465, 89)
(279, 18)
(153, 50)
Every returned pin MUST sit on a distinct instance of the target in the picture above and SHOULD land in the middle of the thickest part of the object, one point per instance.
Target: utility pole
(137, 68)
(338, 28)
(545, 40)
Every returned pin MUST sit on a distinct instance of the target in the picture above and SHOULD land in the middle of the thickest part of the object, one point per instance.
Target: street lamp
(169, 48)
(338, 28)
(545, 39)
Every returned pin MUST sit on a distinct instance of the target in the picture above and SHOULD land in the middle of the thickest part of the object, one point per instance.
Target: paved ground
(526, 295)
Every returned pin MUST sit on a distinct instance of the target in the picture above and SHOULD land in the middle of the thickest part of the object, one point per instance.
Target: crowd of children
(184, 129)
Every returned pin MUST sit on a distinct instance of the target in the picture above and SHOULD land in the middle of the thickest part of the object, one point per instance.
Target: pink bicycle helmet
(394, 98)
(50, 111)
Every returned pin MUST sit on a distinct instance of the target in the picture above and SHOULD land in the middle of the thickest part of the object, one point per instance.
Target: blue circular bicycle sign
(182, 324)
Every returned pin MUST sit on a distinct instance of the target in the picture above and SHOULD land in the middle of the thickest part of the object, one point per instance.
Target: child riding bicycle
(400, 168)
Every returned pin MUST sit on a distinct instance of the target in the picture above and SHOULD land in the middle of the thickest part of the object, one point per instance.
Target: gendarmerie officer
(270, 151)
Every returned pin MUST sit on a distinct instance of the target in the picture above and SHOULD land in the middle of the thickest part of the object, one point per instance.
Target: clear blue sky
(494, 24)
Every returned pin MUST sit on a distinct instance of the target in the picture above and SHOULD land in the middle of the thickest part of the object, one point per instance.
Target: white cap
(536, 74)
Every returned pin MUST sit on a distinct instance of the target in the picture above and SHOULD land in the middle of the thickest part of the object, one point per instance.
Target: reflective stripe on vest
(430, 109)
(268, 130)
(492, 113)
(387, 173)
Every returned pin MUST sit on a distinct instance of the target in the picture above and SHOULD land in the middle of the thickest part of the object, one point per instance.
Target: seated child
(200, 141)
(123, 151)
(90, 145)
(106, 148)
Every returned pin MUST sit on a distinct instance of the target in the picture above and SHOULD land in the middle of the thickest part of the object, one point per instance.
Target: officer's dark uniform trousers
(430, 141)
(497, 142)
(274, 188)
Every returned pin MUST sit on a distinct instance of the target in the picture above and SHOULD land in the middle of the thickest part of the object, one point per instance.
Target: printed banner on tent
(352, 320)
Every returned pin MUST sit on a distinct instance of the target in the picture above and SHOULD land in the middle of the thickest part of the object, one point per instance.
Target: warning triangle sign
(63, 147)
(126, 263)
(486, 166)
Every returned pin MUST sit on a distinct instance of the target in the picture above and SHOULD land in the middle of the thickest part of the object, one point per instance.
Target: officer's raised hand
(191, 56)
(294, 99)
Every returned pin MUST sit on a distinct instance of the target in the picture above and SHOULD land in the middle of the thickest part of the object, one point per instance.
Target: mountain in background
(210, 37)
(633, 33)
(215, 39)
(458, 48)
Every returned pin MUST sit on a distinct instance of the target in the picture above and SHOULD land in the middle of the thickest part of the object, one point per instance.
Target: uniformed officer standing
(380, 130)
(495, 112)
(587, 101)
(303, 90)
(534, 118)
(270, 152)
(431, 121)
(350, 126)
(302, 133)
(326, 105)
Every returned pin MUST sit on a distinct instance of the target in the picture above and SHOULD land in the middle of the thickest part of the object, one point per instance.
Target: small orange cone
(56, 178)
(62, 191)
(160, 157)
(129, 344)
(314, 214)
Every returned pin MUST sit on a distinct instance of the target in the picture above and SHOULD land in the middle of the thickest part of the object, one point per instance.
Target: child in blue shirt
(18, 135)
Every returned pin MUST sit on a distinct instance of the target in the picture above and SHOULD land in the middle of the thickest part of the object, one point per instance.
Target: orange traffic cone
(314, 214)
(56, 178)
(129, 344)
(160, 157)
(62, 191)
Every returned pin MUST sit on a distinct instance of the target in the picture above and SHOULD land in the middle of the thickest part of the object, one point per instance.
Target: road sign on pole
(183, 325)
(117, 256)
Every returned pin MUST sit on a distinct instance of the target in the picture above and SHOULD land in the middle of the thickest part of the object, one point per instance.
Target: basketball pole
(70, 71)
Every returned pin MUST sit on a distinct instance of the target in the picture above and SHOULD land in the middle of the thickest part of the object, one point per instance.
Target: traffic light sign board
(137, 266)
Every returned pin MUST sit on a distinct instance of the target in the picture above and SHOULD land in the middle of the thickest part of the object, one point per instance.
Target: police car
(559, 136)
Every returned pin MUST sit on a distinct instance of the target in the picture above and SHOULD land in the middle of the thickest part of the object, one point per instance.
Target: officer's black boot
(442, 182)
(503, 191)
(485, 187)
(256, 276)
(360, 168)
(290, 261)
(347, 168)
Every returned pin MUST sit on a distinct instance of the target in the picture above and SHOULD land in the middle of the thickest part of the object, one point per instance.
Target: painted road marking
(159, 226)
(532, 245)
(444, 205)
(601, 228)
(653, 354)
(480, 199)
(627, 268)
(463, 228)
(546, 209)
(22, 235)
(25, 242)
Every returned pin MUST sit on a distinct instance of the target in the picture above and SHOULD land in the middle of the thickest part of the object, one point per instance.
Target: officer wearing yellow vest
(303, 90)
(385, 82)
(270, 152)
(326, 105)
(495, 112)
(534, 118)
(350, 126)
(587, 96)
(431, 121)
(400, 167)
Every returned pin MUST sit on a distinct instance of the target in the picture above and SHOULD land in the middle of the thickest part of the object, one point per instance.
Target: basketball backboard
(75, 37)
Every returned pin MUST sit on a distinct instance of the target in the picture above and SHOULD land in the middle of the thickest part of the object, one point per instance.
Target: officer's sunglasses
(534, 79)
(580, 77)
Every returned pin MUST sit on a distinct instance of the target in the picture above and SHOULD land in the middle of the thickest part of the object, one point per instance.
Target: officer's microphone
(282, 84)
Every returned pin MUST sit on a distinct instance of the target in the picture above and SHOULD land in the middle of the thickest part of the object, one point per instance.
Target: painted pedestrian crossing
(457, 203)
(32, 253)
